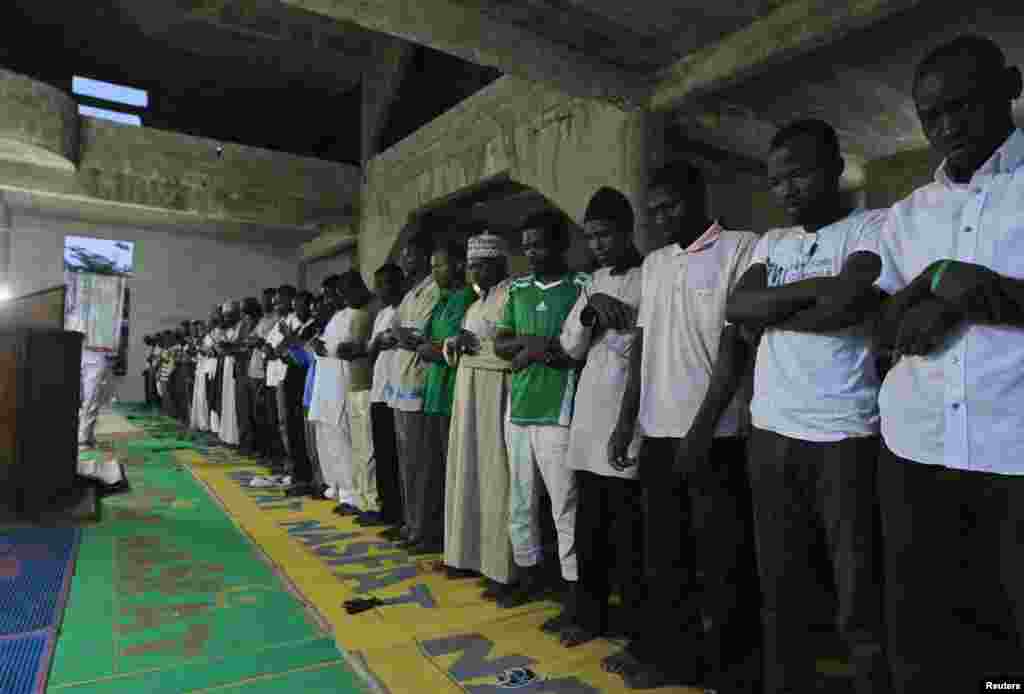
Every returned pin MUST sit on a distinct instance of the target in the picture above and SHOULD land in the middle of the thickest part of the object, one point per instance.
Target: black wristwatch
(588, 317)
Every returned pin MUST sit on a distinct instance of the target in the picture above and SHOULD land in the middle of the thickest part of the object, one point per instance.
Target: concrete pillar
(651, 156)
(381, 80)
(6, 227)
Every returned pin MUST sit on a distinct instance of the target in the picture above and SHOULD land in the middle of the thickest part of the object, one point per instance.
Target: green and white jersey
(539, 393)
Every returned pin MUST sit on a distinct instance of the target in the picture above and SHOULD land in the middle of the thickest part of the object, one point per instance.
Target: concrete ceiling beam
(450, 27)
(382, 79)
(333, 239)
(794, 29)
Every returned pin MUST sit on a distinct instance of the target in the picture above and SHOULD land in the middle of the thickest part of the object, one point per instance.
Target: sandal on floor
(357, 605)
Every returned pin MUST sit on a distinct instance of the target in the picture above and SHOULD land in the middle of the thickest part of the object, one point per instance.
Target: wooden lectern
(40, 383)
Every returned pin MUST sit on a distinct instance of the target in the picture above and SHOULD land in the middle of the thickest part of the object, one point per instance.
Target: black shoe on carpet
(458, 574)
(644, 676)
(121, 487)
(419, 549)
(495, 591)
(528, 589)
(300, 489)
(371, 519)
(567, 617)
(346, 510)
(556, 624)
(393, 534)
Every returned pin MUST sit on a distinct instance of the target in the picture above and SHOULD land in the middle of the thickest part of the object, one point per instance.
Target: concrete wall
(178, 277)
(893, 178)
(318, 270)
(565, 148)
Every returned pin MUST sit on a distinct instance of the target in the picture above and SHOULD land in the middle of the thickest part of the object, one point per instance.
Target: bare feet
(617, 663)
(575, 635)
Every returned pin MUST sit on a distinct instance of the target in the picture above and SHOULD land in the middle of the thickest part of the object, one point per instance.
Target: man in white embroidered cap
(477, 487)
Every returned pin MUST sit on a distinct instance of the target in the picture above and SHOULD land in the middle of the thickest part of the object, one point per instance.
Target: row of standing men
(702, 418)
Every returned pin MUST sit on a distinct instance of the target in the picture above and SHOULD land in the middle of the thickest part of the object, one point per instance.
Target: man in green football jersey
(542, 391)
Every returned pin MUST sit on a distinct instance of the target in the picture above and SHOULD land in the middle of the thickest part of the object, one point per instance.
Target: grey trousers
(422, 451)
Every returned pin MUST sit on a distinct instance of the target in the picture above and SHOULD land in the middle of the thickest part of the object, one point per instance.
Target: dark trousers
(804, 491)
(295, 424)
(272, 430)
(252, 415)
(150, 384)
(184, 378)
(609, 545)
(700, 520)
(954, 585)
(382, 419)
(168, 407)
(244, 405)
(428, 482)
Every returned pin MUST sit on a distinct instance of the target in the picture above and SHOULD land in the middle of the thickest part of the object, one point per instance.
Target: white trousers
(97, 390)
(200, 414)
(228, 430)
(364, 467)
(334, 449)
(537, 454)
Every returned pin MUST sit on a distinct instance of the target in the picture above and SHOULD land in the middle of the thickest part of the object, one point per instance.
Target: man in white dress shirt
(951, 473)
(684, 392)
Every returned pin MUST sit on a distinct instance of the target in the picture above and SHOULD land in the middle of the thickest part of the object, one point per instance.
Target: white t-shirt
(277, 369)
(387, 319)
(682, 313)
(812, 387)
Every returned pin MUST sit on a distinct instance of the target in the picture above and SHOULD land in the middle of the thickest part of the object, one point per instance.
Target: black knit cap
(608, 204)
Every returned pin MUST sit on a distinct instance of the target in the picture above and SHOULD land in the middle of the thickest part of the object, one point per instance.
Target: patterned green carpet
(169, 597)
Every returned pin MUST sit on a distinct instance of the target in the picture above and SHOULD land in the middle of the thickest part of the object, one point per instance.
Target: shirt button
(956, 360)
(956, 406)
(968, 229)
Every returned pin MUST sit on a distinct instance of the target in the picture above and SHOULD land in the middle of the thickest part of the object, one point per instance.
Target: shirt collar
(1006, 159)
(549, 285)
(708, 239)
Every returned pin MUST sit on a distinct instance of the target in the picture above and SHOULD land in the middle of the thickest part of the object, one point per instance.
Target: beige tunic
(477, 485)
(407, 381)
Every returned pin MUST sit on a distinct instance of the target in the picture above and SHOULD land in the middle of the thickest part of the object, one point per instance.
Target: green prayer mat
(169, 597)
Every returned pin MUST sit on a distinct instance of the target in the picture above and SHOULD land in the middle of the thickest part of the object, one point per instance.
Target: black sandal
(357, 605)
